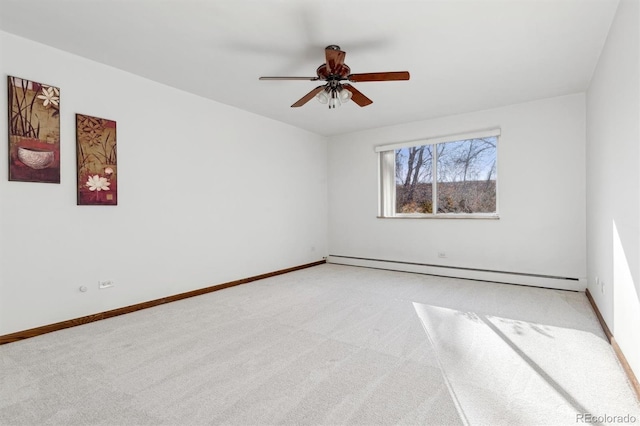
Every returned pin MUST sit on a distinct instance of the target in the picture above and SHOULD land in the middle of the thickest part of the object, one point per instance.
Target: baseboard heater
(535, 280)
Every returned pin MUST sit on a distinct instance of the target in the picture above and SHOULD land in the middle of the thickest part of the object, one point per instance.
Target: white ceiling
(463, 55)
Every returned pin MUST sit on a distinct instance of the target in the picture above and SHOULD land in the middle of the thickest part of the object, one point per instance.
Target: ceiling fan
(334, 71)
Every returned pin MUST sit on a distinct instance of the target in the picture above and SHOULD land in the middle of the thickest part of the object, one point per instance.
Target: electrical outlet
(602, 287)
(105, 284)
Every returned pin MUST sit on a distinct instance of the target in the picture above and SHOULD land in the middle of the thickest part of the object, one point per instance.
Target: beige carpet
(327, 345)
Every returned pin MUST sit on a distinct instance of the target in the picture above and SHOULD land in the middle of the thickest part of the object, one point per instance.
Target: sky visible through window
(459, 161)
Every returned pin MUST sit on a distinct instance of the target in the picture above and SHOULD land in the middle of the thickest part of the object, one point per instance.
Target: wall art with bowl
(34, 131)
(96, 161)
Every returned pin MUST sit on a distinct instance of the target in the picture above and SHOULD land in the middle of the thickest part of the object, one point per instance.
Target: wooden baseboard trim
(25, 334)
(623, 360)
(603, 324)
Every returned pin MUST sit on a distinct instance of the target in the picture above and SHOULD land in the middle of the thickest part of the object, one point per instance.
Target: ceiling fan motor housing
(340, 73)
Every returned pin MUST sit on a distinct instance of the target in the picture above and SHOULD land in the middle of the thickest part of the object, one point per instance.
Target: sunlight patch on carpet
(504, 371)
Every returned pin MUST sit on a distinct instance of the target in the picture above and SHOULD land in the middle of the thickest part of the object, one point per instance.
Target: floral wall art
(97, 165)
(34, 131)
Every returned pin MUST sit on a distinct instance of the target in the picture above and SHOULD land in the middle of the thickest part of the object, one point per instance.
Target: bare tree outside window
(414, 179)
(465, 175)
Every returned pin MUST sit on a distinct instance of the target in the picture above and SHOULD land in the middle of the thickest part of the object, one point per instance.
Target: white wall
(541, 168)
(207, 194)
(613, 181)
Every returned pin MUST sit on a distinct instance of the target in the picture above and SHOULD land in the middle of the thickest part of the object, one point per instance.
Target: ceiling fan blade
(379, 76)
(290, 78)
(335, 59)
(357, 96)
(306, 98)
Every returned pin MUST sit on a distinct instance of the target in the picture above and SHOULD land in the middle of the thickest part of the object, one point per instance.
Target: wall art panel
(34, 131)
(97, 162)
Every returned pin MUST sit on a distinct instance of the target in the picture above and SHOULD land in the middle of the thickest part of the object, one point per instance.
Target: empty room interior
(320, 213)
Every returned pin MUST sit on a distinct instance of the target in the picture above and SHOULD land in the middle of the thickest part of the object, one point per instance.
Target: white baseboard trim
(535, 280)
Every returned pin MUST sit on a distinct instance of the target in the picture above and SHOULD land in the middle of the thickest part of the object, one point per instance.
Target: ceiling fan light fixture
(334, 100)
(344, 95)
(323, 97)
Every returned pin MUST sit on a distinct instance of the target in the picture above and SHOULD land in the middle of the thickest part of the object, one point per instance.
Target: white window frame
(387, 177)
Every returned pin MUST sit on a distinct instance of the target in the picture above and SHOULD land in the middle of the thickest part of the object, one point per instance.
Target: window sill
(491, 216)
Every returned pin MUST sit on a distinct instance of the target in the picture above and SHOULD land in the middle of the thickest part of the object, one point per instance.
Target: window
(454, 176)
